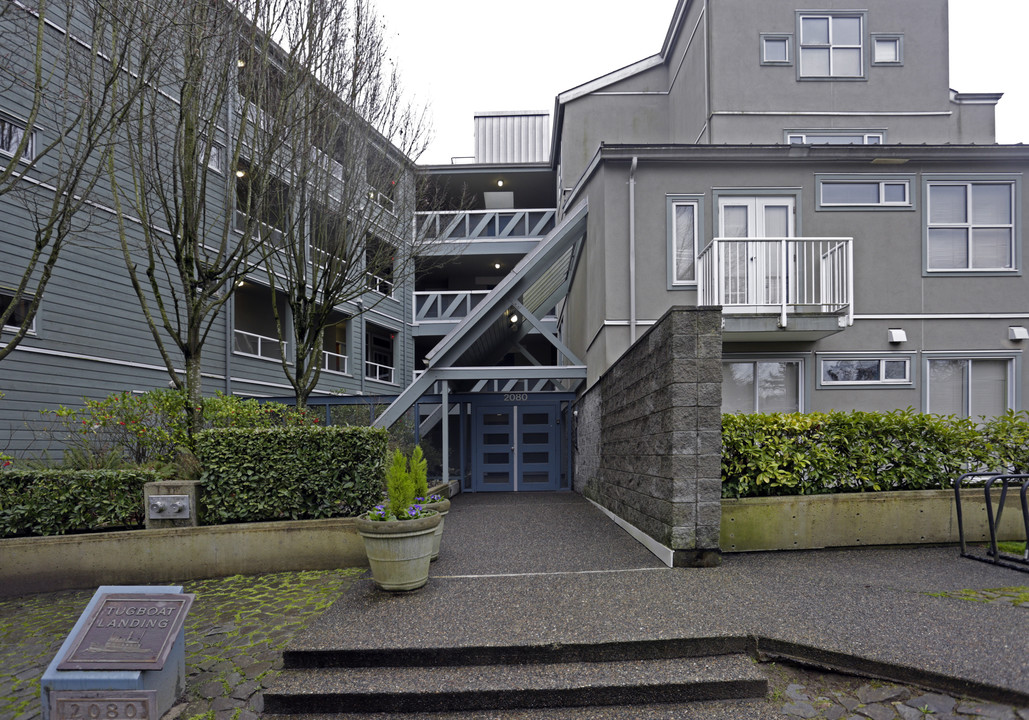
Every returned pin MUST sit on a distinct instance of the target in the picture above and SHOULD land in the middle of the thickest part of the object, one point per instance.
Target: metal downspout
(632, 250)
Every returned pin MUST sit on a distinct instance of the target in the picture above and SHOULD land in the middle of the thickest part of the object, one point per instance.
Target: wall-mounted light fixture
(500, 183)
(496, 266)
(896, 335)
(241, 173)
(1018, 333)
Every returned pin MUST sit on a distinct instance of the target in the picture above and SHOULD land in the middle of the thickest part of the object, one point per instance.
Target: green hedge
(289, 473)
(812, 453)
(54, 502)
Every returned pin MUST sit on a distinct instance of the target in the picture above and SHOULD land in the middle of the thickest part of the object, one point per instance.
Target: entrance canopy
(510, 312)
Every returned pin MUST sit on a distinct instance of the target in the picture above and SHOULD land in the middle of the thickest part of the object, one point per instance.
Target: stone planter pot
(399, 551)
(442, 507)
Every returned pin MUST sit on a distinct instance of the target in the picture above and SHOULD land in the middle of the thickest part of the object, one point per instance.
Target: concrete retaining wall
(43, 564)
(855, 519)
(649, 433)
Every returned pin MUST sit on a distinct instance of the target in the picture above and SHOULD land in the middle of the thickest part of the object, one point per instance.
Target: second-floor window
(684, 242)
(971, 226)
(17, 317)
(831, 46)
(11, 135)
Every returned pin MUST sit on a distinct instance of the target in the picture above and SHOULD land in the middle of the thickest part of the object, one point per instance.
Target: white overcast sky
(465, 56)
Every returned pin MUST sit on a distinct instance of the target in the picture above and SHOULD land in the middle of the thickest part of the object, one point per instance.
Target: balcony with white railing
(478, 225)
(806, 285)
(334, 362)
(377, 372)
(259, 346)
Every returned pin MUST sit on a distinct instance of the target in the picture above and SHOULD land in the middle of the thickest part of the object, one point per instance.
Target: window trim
(970, 179)
(671, 202)
(802, 383)
(898, 38)
(1014, 358)
(30, 150)
(882, 384)
(821, 179)
(834, 132)
(863, 47)
(31, 330)
(784, 37)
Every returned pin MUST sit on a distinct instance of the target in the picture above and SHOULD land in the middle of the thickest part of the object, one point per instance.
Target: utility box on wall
(171, 503)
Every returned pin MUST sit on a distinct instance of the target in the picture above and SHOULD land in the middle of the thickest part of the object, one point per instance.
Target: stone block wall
(649, 435)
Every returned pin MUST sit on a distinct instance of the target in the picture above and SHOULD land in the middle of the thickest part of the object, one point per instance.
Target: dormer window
(831, 45)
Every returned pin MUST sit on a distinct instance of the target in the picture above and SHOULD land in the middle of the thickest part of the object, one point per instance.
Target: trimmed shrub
(150, 428)
(812, 453)
(289, 473)
(55, 502)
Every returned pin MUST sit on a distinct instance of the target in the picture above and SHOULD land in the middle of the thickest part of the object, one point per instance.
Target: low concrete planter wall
(854, 519)
(43, 564)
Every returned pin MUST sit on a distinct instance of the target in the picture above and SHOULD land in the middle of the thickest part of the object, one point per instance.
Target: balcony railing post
(783, 295)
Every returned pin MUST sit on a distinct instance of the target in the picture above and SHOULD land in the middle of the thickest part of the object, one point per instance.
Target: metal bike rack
(993, 554)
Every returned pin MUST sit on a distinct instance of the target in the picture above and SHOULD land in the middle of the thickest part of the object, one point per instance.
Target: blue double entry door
(516, 446)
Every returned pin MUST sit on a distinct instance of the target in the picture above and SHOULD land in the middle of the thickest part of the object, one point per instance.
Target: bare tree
(74, 81)
(347, 168)
(195, 184)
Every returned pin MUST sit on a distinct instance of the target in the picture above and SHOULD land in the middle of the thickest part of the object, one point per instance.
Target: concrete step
(504, 687)
(300, 655)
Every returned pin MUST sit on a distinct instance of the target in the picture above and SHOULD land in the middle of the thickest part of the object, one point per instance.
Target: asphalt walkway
(551, 569)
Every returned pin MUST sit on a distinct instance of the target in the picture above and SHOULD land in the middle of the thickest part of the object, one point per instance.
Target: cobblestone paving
(238, 626)
(235, 632)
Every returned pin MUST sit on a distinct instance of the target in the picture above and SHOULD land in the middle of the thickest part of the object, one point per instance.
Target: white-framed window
(762, 385)
(11, 135)
(775, 49)
(971, 225)
(683, 234)
(831, 45)
(860, 192)
(835, 137)
(216, 161)
(887, 49)
(379, 354)
(21, 309)
(969, 386)
(865, 370)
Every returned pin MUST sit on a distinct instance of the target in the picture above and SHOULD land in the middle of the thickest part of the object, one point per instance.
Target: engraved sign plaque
(128, 632)
(105, 704)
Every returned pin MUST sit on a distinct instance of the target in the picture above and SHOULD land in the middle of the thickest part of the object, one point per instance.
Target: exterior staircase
(427, 680)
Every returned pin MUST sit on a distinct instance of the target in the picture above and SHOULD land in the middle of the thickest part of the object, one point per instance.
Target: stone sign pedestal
(125, 657)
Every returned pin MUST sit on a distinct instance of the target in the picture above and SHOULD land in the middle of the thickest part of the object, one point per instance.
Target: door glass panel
(536, 419)
(536, 478)
(496, 439)
(947, 379)
(989, 391)
(535, 438)
(495, 419)
(777, 219)
(536, 457)
(734, 221)
(496, 478)
(496, 458)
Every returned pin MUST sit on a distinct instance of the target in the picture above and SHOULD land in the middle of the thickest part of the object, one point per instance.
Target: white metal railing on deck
(375, 371)
(443, 305)
(262, 346)
(484, 224)
(784, 275)
(334, 362)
